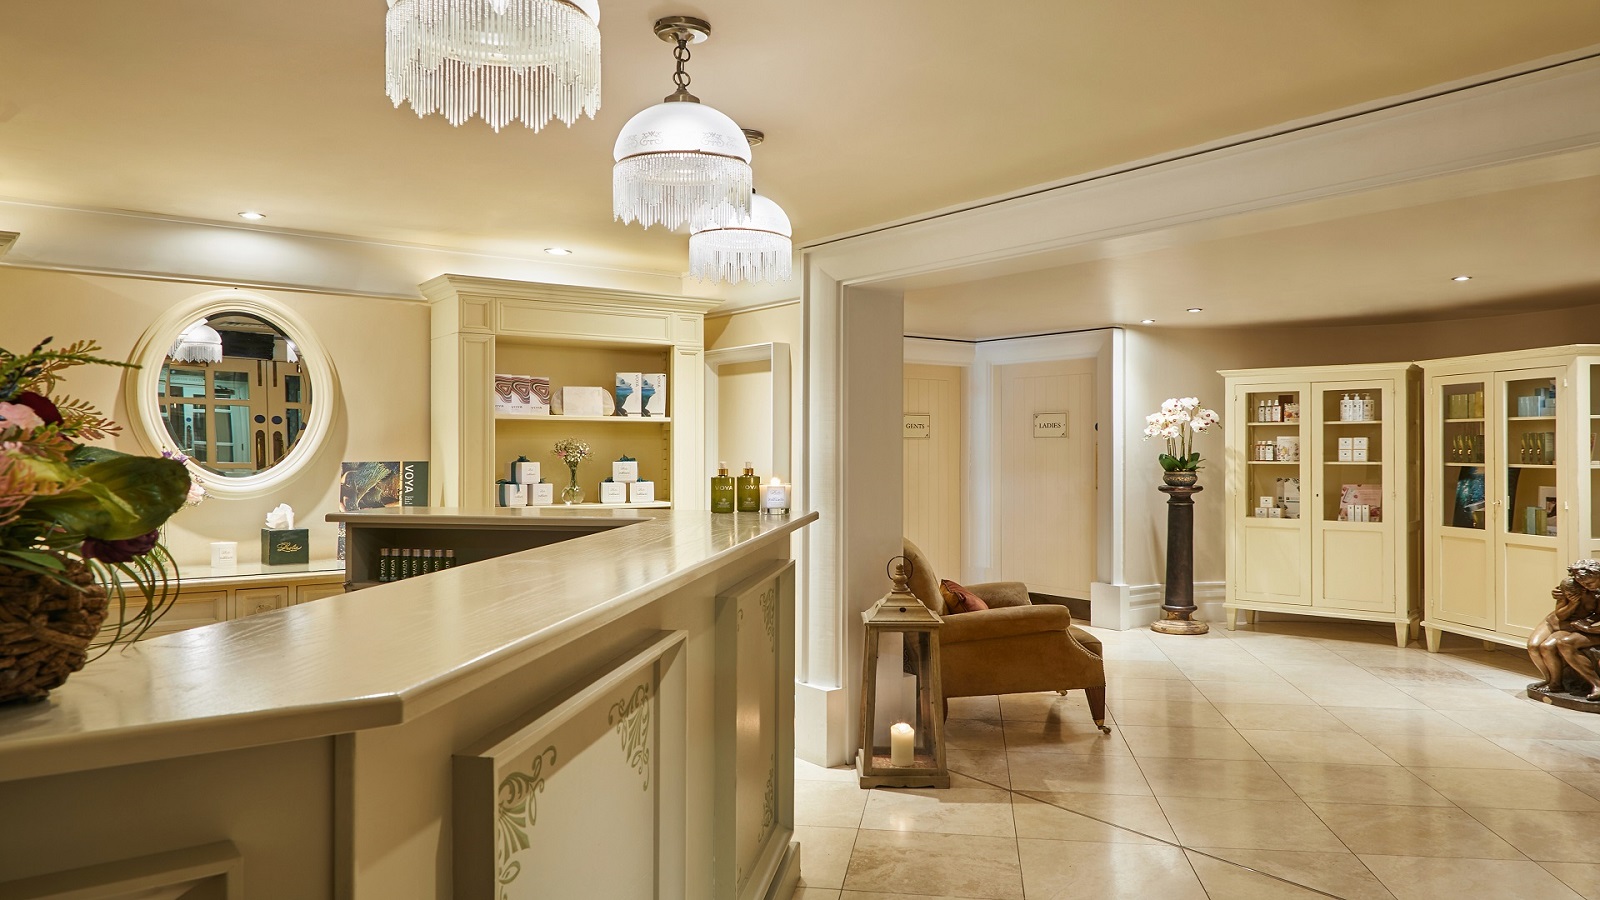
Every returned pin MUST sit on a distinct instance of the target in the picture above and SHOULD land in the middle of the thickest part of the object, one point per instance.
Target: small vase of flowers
(1177, 422)
(571, 452)
(80, 526)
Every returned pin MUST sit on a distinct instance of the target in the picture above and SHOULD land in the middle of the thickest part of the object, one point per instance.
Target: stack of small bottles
(1357, 408)
(398, 564)
(1284, 409)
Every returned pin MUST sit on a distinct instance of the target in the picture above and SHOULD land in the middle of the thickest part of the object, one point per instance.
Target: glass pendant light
(756, 247)
(681, 162)
(199, 343)
(529, 60)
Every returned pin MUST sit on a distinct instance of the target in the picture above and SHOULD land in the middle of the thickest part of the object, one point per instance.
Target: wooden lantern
(900, 681)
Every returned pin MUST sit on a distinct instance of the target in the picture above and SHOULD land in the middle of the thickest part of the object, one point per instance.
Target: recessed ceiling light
(253, 216)
(1462, 278)
(1147, 321)
(1195, 309)
(558, 251)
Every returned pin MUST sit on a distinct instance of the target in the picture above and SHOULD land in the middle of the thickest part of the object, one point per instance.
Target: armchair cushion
(1010, 621)
(1002, 593)
(958, 599)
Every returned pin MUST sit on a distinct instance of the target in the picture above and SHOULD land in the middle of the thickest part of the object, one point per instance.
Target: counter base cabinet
(1511, 479)
(1322, 509)
(215, 597)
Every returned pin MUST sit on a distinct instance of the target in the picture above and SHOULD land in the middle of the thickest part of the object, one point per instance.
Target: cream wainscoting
(935, 465)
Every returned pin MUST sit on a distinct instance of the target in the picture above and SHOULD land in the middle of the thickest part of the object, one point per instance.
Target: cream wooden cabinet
(575, 337)
(1511, 483)
(1321, 491)
(207, 596)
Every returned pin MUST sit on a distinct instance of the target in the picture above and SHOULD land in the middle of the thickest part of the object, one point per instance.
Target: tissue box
(285, 546)
(653, 395)
(642, 492)
(542, 494)
(628, 399)
(625, 470)
(613, 492)
(583, 401)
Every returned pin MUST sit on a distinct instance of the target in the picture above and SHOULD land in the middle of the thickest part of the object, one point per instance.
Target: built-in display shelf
(1353, 422)
(1530, 418)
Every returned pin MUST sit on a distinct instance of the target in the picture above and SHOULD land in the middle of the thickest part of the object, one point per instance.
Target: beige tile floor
(1286, 760)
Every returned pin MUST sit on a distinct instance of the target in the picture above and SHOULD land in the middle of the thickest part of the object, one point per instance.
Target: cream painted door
(1272, 556)
(934, 463)
(1461, 437)
(1045, 485)
(1352, 523)
(1528, 562)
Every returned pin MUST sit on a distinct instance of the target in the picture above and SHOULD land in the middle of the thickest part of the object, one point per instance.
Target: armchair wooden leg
(1097, 707)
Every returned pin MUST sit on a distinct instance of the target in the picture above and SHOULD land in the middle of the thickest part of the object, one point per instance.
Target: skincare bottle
(722, 490)
(449, 559)
(385, 564)
(748, 490)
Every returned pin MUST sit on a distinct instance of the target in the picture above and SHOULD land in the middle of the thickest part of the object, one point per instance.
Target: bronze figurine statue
(1562, 647)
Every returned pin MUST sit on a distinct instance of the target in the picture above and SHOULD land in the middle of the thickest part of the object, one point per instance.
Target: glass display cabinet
(1322, 486)
(1511, 477)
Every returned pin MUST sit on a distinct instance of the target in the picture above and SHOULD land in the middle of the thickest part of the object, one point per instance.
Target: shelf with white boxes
(1331, 530)
(563, 338)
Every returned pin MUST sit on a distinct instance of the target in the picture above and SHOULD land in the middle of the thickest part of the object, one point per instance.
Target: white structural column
(851, 476)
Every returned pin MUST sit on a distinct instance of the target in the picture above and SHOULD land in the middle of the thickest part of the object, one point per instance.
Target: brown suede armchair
(1012, 647)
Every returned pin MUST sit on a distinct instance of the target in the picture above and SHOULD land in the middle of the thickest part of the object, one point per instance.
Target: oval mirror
(235, 383)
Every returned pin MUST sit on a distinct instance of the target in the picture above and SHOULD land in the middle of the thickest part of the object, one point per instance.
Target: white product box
(1347, 443)
(1267, 502)
(1262, 511)
(524, 472)
(541, 494)
(224, 554)
(583, 401)
(1274, 513)
(1288, 448)
(613, 492)
(512, 494)
(628, 399)
(625, 471)
(538, 395)
(656, 386)
(1358, 455)
(1359, 443)
(511, 395)
(1346, 454)
(641, 492)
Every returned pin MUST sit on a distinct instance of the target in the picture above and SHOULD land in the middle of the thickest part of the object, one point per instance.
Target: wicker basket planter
(45, 629)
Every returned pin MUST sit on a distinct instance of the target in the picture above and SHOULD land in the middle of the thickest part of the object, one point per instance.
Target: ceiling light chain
(680, 76)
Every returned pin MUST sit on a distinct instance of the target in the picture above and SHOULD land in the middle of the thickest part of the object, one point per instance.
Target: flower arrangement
(1178, 421)
(572, 452)
(76, 521)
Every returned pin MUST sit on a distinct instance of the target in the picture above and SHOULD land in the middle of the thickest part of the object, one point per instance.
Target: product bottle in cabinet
(722, 490)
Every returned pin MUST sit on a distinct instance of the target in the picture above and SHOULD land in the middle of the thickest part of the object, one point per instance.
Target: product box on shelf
(613, 492)
(625, 470)
(509, 493)
(541, 494)
(629, 385)
(1361, 502)
(653, 394)
(1288, 448)
(524, 471)
(641, 492)
(522, 395)
(1288, 490)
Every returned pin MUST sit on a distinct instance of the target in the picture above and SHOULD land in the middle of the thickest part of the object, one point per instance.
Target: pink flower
(16, 415)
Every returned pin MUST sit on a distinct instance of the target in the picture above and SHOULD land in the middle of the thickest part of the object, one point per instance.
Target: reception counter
(608, 716)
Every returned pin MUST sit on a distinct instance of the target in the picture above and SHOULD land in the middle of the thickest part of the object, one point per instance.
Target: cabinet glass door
(1589, 472)
(1273, 546)
(1352, 549)
(1461, 576)
(1530, 495)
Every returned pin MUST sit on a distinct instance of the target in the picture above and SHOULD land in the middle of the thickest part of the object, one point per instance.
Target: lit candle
(902, 745)
(775, 497)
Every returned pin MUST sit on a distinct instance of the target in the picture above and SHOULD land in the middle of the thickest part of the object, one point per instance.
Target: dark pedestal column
(1177, 608)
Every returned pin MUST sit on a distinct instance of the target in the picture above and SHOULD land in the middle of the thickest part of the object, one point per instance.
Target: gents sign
(917, 427)
(1050, 425)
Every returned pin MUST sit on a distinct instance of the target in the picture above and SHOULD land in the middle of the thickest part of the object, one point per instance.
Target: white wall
(935, 465)
(379, 349)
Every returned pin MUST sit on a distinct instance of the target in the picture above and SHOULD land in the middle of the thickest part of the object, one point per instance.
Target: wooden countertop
(371, 658)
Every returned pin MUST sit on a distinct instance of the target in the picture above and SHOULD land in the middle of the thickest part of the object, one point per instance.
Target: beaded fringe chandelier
(199, 343)
(529, 60)
(681, 162)
(756, 247)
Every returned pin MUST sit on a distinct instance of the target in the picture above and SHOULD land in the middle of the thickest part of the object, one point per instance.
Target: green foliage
(1170, 463)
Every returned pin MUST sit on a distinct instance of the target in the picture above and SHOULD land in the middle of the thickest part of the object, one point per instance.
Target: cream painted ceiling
(1525, 233)
(875, 110)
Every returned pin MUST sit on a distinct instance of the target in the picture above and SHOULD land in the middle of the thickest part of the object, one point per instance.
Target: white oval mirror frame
(150, 353)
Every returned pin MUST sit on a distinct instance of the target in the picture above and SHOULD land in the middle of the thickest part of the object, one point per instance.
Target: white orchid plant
(1180, 419)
